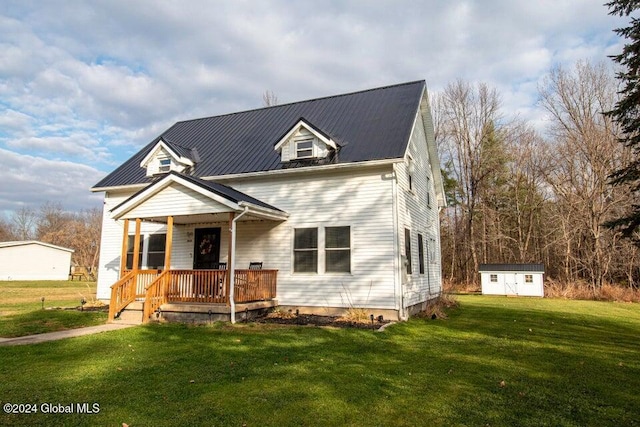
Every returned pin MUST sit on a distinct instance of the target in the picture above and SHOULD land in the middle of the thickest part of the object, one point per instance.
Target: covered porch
(209, 285)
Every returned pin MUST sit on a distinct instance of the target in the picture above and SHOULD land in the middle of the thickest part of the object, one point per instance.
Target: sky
(85, 84)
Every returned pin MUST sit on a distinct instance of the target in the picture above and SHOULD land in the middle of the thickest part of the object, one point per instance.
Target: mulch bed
(316, 320)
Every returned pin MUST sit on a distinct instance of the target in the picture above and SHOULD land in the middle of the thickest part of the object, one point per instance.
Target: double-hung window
(407, 248)
(165, 165)
(304, 148)
(337, 243)
(305, 250)
(156, 250)
(421, 253)
(150, 253)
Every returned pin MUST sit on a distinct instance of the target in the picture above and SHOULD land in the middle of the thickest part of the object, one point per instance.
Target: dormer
(304, 141)
(165, 157)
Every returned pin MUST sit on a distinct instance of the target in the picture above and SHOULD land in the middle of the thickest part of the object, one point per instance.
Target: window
(407, 248)
(130, 242)
(304, 148)
(337, 249)
(165, 165)
(493, 278)
(305, 250)
(528, 278)
(421, 253)
(155, 250)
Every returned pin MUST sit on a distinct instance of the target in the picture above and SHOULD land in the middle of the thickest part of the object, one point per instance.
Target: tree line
(520, 195)
(50, 223)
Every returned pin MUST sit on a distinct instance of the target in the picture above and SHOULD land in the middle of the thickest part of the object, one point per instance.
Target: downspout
(397, 264)
(232, 266)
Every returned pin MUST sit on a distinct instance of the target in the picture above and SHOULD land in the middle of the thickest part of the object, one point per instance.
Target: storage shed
(33, 260)
(512, 279)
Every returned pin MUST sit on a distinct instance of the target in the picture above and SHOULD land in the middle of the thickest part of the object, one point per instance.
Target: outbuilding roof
(369, 125)
(32, 242)
(529, 268)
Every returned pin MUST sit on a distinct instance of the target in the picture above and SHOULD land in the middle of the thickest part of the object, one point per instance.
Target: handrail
(123, 293)
(156, 294)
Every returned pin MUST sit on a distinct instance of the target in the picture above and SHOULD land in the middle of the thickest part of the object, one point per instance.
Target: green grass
(561, 363)
(21, 311)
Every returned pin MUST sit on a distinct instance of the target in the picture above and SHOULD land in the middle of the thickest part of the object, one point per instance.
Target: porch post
(125, 246)
(136, 246)
(168, 244)
(136, 253)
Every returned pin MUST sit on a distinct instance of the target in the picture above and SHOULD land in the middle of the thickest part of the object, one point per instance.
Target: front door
(206, 251)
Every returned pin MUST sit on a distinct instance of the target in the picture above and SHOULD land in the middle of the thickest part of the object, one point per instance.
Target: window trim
(343, 249)
(407, 250)
(421, 262)
(164, 165)
(294, 251)
(304, 140)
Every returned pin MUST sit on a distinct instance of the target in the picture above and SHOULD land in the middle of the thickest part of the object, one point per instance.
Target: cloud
(92, 82)
(30, 181)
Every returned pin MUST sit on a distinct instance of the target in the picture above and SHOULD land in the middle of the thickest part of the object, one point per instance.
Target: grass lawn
(495, 362)
(21, 310)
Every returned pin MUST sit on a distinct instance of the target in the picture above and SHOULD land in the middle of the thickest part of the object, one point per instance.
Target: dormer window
(304, 141)
(165, 157)
(304, 148)
(164, 165)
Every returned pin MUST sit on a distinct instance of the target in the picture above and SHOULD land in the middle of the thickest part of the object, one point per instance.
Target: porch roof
(189, 199)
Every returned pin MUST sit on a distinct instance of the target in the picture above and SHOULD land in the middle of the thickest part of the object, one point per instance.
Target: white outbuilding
(512, 279)
(33, 260)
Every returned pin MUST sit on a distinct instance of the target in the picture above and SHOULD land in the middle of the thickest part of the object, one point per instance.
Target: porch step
(131, 315)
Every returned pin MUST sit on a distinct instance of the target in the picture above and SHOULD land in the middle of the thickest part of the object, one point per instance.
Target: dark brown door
(206, 251)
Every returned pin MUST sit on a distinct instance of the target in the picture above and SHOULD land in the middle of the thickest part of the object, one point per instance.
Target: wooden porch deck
(155, 288)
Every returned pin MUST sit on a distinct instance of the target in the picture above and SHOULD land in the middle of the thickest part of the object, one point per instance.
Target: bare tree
(24, 223)
(584, 153)
(269, 99)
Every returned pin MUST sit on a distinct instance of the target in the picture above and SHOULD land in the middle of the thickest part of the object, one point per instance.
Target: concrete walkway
(69, 333)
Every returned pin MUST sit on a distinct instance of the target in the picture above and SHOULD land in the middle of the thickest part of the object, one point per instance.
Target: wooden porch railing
(123, 292)
(200, 286)
(255, 285)
(156, 294)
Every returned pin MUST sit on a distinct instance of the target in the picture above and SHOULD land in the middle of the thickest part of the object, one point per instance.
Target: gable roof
(33, 242)
(231, 198)
(529, 268)
(369, 125)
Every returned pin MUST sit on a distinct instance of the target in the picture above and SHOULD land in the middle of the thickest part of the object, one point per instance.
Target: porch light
(42, 299)
(82, 303)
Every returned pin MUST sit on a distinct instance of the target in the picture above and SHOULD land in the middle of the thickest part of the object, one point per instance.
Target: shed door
(511, 284)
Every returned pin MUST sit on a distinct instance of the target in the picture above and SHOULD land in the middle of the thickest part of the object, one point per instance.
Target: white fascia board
(140, 198)
(302, 124)
(33, 242)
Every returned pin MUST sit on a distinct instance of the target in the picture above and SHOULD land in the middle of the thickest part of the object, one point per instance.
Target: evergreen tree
(627, 112)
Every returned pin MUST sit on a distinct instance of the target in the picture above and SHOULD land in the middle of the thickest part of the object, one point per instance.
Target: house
(33, 260)
(333, 201)
(512, 279)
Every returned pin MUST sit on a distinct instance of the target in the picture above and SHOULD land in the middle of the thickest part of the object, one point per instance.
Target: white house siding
(359, 198)
(34, 261)
(418, 212)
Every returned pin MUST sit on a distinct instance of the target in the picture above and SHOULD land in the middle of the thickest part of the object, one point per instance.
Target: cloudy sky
(85, 84)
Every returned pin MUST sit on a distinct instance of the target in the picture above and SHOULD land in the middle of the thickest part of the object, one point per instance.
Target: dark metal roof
(369, 125)
(531, 268)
